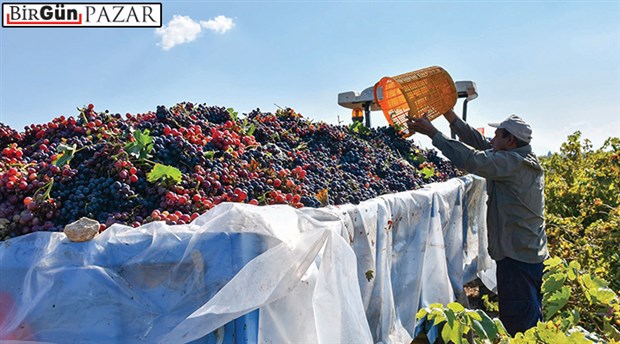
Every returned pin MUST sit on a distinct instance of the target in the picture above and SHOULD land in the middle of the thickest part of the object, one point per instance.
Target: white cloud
(219, 24)
(181, 29)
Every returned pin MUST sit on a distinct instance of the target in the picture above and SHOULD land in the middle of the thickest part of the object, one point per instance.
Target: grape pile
(176, 163)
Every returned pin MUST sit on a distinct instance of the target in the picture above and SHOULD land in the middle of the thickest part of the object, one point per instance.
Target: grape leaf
(573, 270)
(552, 262)
(611, 331)
(553, 282)
(488, 325)
(593, 282)
(437, 315)
(427, 172)
(473, 315)
(578, 338)
(234, 115)
(548, 333)
(490, 305)
(166, 172)
(500, 327)
(556, 301)
(456, 307)
(142, 146)
(360, 128)
(602, 295)
(450, 316)
(65, 156)
(596, 288)
(452, 333)
(479, 330)
(209, 154)
(250, 130)
(143, 137)
(417, 158)
(421, 313)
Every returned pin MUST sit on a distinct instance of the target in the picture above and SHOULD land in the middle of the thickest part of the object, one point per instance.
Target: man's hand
(423, 125)
(450, 116)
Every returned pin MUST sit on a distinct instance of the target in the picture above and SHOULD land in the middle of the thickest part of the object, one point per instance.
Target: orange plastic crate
(429, 91)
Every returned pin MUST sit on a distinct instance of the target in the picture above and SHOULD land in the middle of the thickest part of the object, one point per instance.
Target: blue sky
(556, 64)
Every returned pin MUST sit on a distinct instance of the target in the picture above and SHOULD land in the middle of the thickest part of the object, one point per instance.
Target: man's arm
(484, 163)
(465, 132)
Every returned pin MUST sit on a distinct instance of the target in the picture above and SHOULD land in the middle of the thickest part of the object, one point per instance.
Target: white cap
(516, 126)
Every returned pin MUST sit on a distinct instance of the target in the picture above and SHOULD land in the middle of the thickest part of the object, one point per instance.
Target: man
(515, 219)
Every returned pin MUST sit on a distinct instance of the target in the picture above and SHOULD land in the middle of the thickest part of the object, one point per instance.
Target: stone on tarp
(82, 230)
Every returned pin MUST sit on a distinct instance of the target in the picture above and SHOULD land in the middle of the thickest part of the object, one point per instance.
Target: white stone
(84, 229)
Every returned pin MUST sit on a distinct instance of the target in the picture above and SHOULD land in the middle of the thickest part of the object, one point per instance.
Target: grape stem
(47, 187)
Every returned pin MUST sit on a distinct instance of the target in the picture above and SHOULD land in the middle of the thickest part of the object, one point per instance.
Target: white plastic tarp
(421, 247)
(241, 273)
